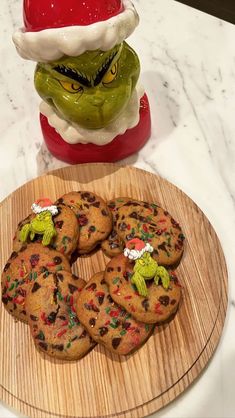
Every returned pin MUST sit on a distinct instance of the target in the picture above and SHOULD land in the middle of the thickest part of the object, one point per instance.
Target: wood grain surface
(103, 384)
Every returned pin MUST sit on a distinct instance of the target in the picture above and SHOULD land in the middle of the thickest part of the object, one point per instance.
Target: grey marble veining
(188, 70)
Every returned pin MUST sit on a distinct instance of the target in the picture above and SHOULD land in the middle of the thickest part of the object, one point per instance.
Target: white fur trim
(51, 44)
(136, 254)
(75, 134)
(38, 209)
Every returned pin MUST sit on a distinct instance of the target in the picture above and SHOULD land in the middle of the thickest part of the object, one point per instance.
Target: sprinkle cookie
(154, 225)
(93, 216)
(54, 324)
(24, 267)
(67, 232)
(108, 323)
(157, 306)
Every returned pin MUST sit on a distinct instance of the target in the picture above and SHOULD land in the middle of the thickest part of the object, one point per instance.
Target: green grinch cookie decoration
(93, 108)
(42, 224)
(146, 268)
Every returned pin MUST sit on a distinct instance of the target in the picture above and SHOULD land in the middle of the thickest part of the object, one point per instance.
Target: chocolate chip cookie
(24, 267)
(154, 225)
(159, 304)
(54, 324)
(67, 232)
(107, 322)
(93, 216)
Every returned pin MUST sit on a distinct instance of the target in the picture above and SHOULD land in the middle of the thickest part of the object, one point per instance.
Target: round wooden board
(102, 384)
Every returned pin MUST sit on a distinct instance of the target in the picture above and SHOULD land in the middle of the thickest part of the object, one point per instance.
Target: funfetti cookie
(154, 225)
(54, 324)
(108, 323)
(66, 234)
(22, 268)
(148, 291)
(93, 215)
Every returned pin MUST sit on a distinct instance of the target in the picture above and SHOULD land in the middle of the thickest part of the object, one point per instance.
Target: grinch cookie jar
(93, 108)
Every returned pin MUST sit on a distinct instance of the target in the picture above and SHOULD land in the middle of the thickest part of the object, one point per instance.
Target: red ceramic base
(121, 147)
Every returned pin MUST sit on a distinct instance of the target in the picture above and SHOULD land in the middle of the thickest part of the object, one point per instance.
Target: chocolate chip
(5, 300)
(91, 307)
(57, 260)
(113, 234)
(59, 224)
(130, 236)
(119, 269)
(82, 220)
(44, 346)
(109, 269)
(91, 199)
(34, 259)
(109, 298)
(164, 300)
(95, 204)
(33, 318)
(134, 215)
(126, 325)
(13, 255)
(59, 201)
(59, 276)
(6, 267)
(122, 226)
(92, 286)
(103, 331)
(62, 317)
(104, 213)
(72, 288)
(163, 247)
(101, 299)
(173, 302)
(95, 308)
(23, 248)
(52, 317)
(35, 287)
(116, 342)
(58, 347)
(175, 224)
(92, 322)
(21, 292)
(92, 228)
(145, 304)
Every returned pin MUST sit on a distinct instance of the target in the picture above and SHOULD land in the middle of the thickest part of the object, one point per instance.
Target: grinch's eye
(111, 75)
(71, 87)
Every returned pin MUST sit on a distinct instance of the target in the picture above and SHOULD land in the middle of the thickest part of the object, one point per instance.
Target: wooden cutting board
(103, 384)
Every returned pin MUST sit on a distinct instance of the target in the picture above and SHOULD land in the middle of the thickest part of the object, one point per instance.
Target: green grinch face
(90, 90)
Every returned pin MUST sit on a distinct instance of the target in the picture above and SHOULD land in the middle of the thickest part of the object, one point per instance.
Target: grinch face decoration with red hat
(146, 268)
(42, 224)
(92, 109)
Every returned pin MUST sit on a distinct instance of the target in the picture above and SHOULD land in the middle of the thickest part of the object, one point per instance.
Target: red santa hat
(54, 28)
(135, 248)
(43, 204)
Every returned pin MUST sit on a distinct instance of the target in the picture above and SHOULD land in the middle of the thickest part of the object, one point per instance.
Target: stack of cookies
(117, 307)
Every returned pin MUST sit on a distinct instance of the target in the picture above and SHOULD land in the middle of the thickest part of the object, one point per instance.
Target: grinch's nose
(97, 100)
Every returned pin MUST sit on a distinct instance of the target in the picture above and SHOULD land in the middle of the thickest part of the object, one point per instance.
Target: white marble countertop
(188, 70)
